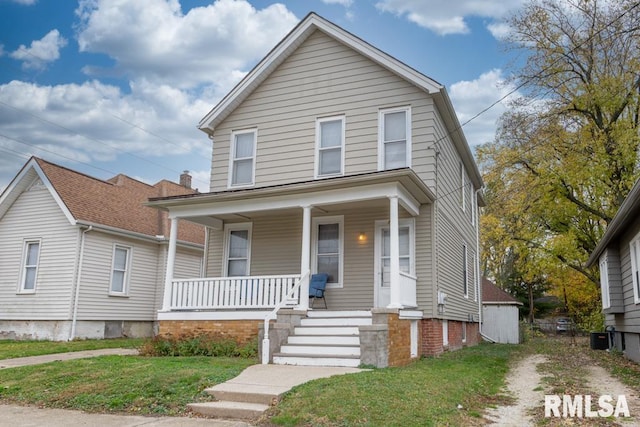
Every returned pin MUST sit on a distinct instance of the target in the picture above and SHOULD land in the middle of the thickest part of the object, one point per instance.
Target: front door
(382, 293)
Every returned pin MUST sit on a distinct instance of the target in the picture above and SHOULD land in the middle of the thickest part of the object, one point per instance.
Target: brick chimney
(185, 179)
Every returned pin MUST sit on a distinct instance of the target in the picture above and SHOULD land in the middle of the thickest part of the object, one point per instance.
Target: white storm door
(382, 293)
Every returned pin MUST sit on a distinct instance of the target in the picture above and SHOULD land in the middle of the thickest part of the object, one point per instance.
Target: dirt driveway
(565, 367)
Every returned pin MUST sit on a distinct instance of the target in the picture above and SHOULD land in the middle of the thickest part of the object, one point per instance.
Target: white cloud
(345, 3)
(154, 39)
(445, 16)
(472, 97)
(41, 52)
(25, 2)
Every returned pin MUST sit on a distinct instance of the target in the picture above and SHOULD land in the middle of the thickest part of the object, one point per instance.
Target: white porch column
(305, 259)
(171, 258)
(394, 253)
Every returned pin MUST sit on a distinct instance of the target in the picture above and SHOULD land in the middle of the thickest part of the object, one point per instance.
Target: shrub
(198, 345)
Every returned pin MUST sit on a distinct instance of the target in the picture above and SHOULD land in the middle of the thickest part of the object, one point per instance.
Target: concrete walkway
(37, 360)
(263, 380)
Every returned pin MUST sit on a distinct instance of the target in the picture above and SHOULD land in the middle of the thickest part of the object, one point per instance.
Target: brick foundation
(242, 331)
(432, 340)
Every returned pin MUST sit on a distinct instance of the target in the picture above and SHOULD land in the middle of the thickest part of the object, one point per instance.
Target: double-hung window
(634, 248)
(30, 258)
(330, 146)
(237, 249)
(394, 150)
(120, 270)
(328, 253)
(242, 164)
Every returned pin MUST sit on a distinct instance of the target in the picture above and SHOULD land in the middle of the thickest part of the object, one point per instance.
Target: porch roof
(403, 183)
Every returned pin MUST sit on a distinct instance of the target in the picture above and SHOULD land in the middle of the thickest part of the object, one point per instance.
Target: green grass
(10, 349)
(425, 393)
(121, 384)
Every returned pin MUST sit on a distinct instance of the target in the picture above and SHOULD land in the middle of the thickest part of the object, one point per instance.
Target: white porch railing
(408, 290)
(256, 292)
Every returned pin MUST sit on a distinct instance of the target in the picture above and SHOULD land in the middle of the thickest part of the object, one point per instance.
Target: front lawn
(125, 384)
(453, 389)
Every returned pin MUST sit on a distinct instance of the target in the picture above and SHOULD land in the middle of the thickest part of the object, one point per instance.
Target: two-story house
(82, 257)
(331, 156)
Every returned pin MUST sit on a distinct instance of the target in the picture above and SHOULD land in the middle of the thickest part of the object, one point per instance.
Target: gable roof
(493, 295)
(313, 22)
(116, 204)
(627, 213)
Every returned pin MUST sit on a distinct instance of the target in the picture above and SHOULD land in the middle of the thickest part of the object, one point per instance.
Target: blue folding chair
(317, 286)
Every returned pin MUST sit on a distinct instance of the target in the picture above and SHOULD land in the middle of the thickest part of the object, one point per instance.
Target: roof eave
(287, 45)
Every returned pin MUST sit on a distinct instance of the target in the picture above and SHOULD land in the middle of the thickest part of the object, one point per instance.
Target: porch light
(362, 237)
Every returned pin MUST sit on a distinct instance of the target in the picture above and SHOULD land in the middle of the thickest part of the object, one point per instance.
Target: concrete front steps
(235, 403)
(259, 387)
(325, 338)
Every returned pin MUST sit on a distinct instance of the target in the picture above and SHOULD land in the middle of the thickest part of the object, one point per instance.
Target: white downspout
(74, 319)
(478, 279)
(171, 258)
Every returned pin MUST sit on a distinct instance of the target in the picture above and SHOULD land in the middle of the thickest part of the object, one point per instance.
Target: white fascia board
(15, 188)
(344, 195)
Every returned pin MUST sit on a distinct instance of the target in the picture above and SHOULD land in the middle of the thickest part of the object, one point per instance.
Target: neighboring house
(333, 157)
(618, 255)
(84, 258)
(500, 314)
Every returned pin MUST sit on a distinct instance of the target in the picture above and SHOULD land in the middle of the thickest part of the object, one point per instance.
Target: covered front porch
(264, 244)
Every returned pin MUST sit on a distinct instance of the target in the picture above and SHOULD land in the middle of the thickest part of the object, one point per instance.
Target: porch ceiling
(365, 190)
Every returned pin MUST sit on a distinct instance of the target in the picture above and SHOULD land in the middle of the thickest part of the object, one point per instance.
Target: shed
(500, 318)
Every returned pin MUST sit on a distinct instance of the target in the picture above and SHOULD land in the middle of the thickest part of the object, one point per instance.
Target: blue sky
(118, 86)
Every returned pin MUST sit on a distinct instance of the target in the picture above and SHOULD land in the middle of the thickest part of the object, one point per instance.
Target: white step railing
(257, 292)
(407, 290)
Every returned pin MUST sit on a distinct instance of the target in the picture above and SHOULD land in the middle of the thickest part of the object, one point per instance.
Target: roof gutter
(127, 233)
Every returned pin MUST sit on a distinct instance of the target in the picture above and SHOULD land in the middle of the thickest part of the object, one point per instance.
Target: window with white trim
(237, 259)
(328, 248)
(30, 260)
(445, 332)
(634, 248)
(119, 284)
(465, 272)
(604, 282)
(242, 158)
(406, 246)
(394, 149)
(464, 332)
(330, 133)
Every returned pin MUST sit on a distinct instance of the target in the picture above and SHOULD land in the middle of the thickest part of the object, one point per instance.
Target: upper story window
(30, 259)
(120, 270)
(634, 249)
(394, 147)
(237, 249)
(330, 146)
(463, 188)
(242, 159)
(604, 282)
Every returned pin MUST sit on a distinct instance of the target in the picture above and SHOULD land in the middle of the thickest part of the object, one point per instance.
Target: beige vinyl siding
(95, 303)
(322, 78)
(187, 265)
(425, 287)
(36, 215)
